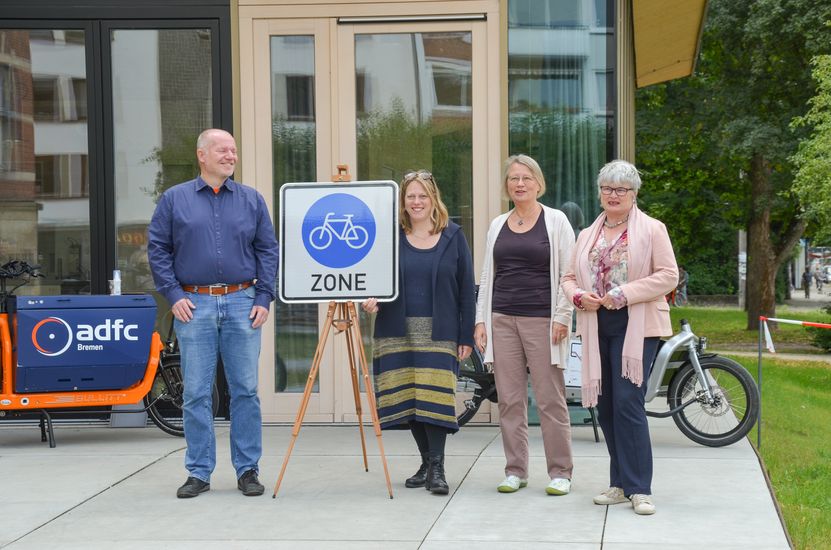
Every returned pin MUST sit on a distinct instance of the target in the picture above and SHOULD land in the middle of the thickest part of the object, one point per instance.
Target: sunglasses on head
(423, 174)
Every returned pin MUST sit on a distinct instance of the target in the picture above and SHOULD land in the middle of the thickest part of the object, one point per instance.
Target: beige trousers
(520, 342)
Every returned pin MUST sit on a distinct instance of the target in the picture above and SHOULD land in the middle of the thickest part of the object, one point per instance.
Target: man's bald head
(207, 137)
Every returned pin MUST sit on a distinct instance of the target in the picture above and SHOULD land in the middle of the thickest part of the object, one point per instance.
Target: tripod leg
(304, 403)
(370, 396)
(353, 371)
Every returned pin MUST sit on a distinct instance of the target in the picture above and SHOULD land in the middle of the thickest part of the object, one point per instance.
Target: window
(558, 100)
(452, 86)
(300, 94)
(546, 13)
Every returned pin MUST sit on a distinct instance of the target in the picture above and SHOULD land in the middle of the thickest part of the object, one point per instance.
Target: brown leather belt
(220, 289)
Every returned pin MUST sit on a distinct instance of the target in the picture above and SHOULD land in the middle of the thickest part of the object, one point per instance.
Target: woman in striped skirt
(422, 335)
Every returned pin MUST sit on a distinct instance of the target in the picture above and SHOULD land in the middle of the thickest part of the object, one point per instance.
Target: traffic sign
(338, 241)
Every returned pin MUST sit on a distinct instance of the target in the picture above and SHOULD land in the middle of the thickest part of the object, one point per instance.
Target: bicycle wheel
(474, 377)
(357, 237)
(733, 412)
(165, 399)
(320, 237)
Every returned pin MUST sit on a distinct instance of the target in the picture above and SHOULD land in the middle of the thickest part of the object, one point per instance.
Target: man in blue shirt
(213, 255)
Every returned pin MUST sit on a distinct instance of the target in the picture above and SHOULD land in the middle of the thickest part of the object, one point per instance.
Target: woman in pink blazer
(621, 269)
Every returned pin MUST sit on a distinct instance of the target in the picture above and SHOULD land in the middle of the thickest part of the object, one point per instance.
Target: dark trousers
(620, 407)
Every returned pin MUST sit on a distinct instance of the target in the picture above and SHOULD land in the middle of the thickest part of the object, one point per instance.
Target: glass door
(384, 99)
(293, 144)
(412, 96)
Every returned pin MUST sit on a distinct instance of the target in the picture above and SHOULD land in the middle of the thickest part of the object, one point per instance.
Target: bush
(821, 337)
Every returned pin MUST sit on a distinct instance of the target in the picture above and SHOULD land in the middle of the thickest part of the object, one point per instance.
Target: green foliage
(813, 159)
(821, 337)
(697, 136)
(176, 163)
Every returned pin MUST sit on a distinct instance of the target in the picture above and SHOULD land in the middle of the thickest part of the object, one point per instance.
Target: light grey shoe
(511, 484)
(643, 505)
(612, 495)
(559, 486)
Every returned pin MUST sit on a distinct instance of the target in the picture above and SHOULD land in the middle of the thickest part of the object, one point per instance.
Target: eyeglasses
(423, 174)
(513, 180)
(619, 191)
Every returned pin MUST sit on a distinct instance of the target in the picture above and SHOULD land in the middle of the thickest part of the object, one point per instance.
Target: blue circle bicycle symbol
(338, 230)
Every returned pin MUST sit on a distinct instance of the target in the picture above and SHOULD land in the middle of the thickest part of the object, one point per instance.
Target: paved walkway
(104, 488)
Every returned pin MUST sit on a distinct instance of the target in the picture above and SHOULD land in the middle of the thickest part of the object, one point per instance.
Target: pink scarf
(639, 266)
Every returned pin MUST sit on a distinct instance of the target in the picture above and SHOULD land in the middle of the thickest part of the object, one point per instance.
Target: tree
(753, 79)
(812, 183)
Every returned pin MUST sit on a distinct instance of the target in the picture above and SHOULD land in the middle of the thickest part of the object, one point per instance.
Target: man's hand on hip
(259, 314)
(183, 310)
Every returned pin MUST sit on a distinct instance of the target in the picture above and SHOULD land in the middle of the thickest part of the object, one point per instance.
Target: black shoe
(436, 483)
(420, 477)
(192, 488)
(249, 484)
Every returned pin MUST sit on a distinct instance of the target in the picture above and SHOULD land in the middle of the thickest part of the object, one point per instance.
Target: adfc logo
(52, 336)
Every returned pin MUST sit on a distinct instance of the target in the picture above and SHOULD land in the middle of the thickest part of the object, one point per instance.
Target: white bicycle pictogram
(353, 235)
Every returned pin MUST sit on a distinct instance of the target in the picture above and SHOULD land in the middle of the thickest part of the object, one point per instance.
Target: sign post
(339, 243)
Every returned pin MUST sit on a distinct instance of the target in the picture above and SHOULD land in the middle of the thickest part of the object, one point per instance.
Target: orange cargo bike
(64, 353)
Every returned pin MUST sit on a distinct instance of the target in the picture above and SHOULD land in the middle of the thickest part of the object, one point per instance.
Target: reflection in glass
(415, 110)
(161, 83)
(293, 130)
(44, 180)
(559, 89)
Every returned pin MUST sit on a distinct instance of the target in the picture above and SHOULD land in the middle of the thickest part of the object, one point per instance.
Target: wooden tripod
(349, 323)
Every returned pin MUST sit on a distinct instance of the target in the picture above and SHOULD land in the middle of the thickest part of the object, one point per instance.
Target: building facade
(100, 107)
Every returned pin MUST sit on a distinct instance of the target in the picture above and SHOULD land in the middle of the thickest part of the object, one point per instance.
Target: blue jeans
(220, 325)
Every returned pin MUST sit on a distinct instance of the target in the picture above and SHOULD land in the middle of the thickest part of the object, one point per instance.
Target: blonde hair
(438, 215)
(529, 163)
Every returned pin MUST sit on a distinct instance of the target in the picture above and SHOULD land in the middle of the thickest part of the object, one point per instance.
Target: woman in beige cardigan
(623, 266)
(522, 322)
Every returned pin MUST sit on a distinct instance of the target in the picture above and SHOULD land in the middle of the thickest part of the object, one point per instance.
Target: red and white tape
(769, 340)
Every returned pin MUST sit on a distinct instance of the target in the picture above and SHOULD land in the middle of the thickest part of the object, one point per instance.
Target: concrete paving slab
(107, 488)
(502, 545)
(478, 512)
(728, 498)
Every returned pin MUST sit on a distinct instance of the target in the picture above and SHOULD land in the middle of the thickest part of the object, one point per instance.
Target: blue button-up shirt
(198, 237)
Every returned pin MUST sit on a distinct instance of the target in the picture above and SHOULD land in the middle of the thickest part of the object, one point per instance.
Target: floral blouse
(608, 269)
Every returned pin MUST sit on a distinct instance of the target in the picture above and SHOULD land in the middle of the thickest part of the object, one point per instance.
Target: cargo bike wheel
(166, 397)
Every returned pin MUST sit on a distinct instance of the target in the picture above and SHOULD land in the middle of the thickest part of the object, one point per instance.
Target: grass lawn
(725, 328)
(796, 444)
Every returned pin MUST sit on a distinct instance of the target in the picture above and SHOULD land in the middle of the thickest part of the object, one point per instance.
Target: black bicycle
(166, 397)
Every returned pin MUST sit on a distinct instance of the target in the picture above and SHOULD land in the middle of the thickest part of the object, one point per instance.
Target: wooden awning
(667, 38)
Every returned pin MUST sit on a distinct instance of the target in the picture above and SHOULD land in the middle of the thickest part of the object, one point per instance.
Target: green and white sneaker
(511, 484)
(559, 486)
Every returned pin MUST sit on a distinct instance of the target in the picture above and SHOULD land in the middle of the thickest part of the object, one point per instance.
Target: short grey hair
(617, 172)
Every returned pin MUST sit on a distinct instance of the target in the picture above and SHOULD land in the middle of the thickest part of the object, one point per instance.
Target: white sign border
(342, 187)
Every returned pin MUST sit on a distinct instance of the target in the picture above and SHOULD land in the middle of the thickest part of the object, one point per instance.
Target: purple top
(522, 284)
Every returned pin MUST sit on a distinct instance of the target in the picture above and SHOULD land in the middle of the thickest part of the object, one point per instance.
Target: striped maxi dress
(415, 376)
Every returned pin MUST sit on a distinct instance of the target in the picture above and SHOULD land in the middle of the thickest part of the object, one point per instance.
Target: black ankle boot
(420, 477)
(436, 483)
